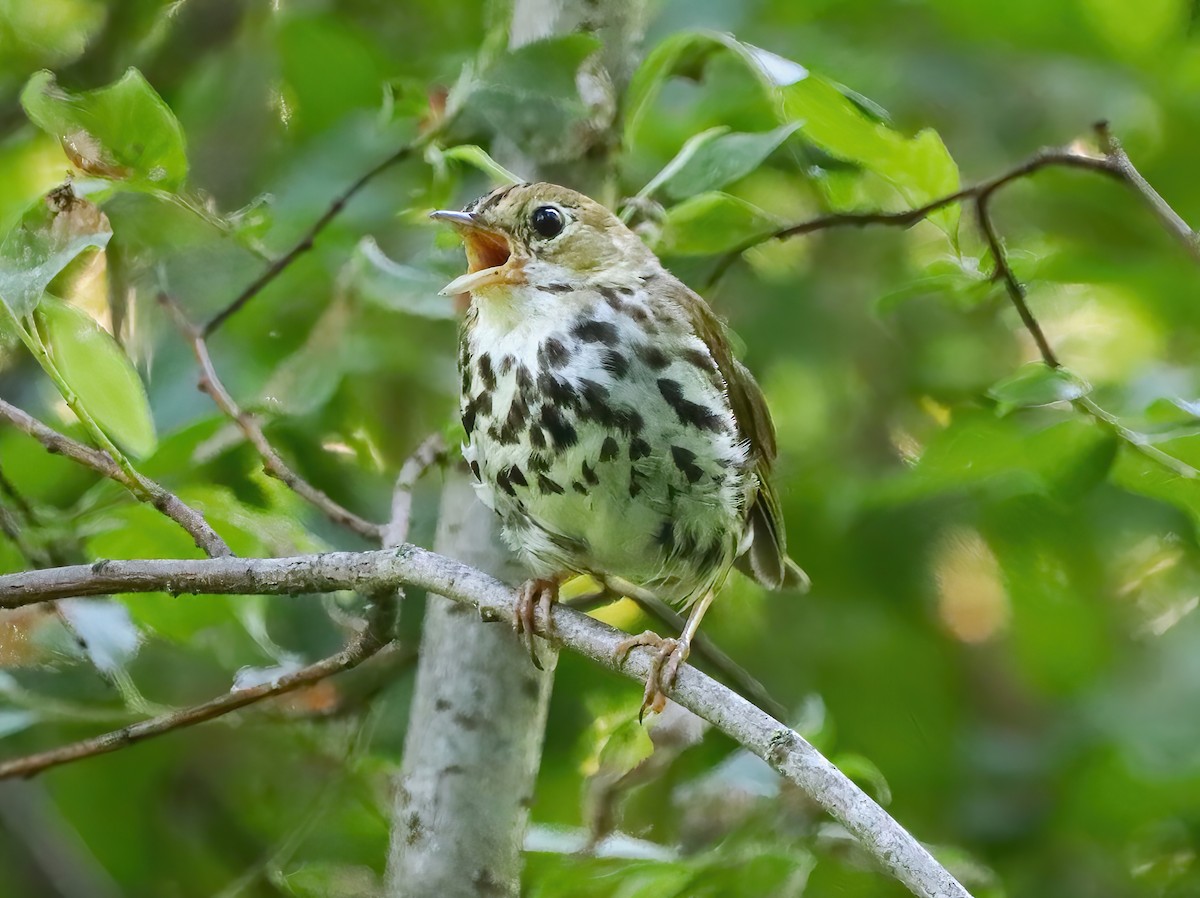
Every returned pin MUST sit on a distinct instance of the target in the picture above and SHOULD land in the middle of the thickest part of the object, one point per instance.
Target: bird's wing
(766, 560)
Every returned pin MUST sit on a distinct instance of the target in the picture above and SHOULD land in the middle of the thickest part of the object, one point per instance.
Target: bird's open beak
(489, 257)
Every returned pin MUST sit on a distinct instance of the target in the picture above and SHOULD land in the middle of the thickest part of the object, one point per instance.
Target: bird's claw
(664, 667)
(534, 595)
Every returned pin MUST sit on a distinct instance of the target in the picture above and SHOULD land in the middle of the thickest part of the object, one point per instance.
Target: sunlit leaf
(712, 223)
(477, 157)
(123, 131)
(717, 157)
(830, 117)
(1038, 384)
(51, 233)
(920, 167)
(616, 743)
(626, 747)
(100, 373)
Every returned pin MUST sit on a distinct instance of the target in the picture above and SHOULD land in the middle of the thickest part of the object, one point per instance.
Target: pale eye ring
(547, 221)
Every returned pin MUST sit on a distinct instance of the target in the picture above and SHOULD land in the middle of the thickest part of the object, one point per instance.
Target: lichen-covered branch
(375, 633)
(785, 750)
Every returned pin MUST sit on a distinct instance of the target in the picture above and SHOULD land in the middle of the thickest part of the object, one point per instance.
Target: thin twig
(1004, 273)
(784, 749)
(376, 634)
(206, 539)
(273, 463)
(361, 647)
(22, 505)
(1171, 221)
(431, 452)
(305, 243)
(1113, 161)
(1047, 157)
(1016, 293)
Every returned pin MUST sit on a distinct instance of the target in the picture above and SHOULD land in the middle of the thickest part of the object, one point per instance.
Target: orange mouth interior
(485, 249)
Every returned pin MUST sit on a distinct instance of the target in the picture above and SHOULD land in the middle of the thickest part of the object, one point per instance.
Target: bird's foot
(664, 667)
(534, 595)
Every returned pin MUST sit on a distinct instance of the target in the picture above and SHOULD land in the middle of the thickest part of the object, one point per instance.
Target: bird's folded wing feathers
(766, 560)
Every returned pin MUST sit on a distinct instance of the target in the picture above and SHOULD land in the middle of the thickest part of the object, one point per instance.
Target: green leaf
(123, 131)
(1038, 384)
(863, 771)
(686, 54)
(626, 747)
(920, 168)
(998, 458)
(831, 117)
(327, 880)
(531, 97)
(51, 233)
(100, 373)
(396, 286)
(477, 157)
(712, 223)
(714, 158)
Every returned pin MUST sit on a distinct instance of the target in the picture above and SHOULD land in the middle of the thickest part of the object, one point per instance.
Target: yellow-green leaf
(123, 131)
(100, 373)
(712, 223)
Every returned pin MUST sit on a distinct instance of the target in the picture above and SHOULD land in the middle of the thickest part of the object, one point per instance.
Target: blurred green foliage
(1001, 640)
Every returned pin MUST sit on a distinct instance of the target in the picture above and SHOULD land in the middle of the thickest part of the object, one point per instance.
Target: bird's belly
(632, 470)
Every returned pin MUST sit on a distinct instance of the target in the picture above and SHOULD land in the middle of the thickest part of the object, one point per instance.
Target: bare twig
(375, 635)
(206, 539)
(305, 243)
(273, 463)
(1016, 293)
(1112, 161)
(361, 647)
(1047, 157)
(784, 749)
(1004, 273)
(1170, 219)
(431, 452)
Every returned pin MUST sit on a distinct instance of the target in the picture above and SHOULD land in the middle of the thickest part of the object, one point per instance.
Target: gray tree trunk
(475, 732)
(479, 709)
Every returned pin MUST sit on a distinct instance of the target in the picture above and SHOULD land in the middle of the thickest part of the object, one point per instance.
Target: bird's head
(540, 235)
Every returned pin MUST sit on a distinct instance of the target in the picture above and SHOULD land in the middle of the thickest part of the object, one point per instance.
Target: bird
(607, 421)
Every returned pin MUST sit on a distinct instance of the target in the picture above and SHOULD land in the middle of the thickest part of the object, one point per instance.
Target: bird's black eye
(547, 221)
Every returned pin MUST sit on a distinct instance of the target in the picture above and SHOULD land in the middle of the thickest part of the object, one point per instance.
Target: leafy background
(1000, 642)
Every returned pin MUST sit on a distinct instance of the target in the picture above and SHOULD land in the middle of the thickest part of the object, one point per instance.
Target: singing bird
(608, 423)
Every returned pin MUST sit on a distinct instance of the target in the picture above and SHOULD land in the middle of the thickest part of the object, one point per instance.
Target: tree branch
(305, 243)
(206, 539)
(1113, 161)
(784, 749)
(273, 463)
(1016, 293)
(1047, 157)
(374, 636)
(1124, 168)
(361, 647)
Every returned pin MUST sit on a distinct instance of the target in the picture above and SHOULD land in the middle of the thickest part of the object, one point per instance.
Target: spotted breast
(600, 429)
